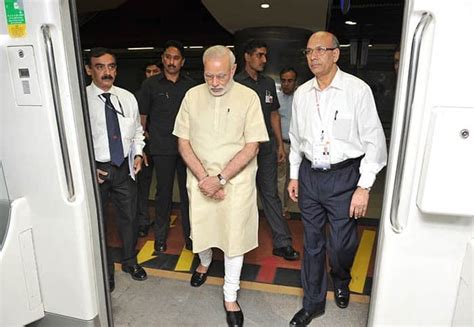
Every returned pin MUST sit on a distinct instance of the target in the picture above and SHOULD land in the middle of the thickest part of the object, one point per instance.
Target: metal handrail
(53, 77)
(426, 18)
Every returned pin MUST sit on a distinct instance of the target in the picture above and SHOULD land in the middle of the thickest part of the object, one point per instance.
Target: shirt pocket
(232, 124)
(160, 99)
(341, 129)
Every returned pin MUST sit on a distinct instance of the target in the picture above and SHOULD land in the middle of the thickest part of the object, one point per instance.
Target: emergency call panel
(23, 74)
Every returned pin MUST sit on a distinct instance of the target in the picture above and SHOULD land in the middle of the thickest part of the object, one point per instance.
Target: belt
(286, 141)
(339, 165)
(109, 163)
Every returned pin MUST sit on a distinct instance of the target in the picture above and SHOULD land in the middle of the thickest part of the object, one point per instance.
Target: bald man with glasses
(337, 148)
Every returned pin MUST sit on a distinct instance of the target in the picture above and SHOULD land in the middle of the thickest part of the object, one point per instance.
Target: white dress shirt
(128, 116)
(350, 122)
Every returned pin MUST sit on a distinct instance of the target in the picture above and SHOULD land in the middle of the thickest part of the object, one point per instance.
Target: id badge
(268, 97)
(321, 158)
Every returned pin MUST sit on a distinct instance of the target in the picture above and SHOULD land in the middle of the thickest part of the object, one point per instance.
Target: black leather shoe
(143, 230)
(136, 271)
(287, 252)
(197, 279)
(234, 318)
(160, 247)
(341, 296)
(303, 317)
(111, 283)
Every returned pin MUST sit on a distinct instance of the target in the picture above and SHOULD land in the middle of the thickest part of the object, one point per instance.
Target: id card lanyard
(321, 154)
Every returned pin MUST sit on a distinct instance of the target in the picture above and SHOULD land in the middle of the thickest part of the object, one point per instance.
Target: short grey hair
(218, 51)
(335, 41)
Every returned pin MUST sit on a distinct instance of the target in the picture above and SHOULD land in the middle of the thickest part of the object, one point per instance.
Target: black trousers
(143, 190)
(267, 186)
(165, 168)
(325, 197)
(121, 190)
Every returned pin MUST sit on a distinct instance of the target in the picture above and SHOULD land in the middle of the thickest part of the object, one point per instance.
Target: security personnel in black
(159, 102)
(150, 69)
(255, 52)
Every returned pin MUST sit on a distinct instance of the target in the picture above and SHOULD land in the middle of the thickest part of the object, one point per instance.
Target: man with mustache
(159, 101)
(272, 152)
(337, 148)
(117, 133)
(220, 125)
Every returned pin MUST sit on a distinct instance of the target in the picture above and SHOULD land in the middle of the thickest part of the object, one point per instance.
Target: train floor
(270, 286)
(163, 301)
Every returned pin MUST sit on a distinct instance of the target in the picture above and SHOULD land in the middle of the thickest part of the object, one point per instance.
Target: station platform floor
(270, 286)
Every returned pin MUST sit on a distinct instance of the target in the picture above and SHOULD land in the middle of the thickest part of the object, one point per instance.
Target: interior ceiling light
(265, 5)
(141, 48)
(350, 22)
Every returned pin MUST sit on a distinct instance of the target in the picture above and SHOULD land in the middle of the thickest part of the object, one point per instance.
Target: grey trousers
(268, 190)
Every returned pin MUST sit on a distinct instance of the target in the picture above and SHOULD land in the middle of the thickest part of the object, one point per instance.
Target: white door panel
(18, 262)
(46, 159)
(447, 174)
(420, 252)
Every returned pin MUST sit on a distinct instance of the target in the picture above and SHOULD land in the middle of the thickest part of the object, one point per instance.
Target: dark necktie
(113, 132)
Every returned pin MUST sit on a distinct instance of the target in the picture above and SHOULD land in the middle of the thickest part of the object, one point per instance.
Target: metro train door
(423, 272)
(52, 258)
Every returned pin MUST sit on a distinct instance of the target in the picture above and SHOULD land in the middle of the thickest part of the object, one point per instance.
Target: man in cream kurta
(219, 126)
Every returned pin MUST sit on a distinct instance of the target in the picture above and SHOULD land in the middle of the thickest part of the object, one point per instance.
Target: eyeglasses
(318, 50)
(219, 77)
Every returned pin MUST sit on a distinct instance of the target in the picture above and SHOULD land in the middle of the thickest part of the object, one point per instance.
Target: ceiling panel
(140, 23)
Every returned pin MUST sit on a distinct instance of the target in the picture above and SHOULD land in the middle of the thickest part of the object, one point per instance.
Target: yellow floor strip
(146, 253)
(262, 287)
(361, 261)
(173, 220)
(185, 261)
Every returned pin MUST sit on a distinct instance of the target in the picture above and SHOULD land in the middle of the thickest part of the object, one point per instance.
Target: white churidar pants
(232, 269)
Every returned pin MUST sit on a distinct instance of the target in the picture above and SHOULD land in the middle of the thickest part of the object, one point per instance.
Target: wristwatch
(222, 180)
(366, 188)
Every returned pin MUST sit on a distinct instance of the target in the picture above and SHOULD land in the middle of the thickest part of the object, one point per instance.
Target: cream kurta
(218, 128)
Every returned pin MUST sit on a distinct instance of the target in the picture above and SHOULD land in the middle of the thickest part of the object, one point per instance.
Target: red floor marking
(268, 267)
